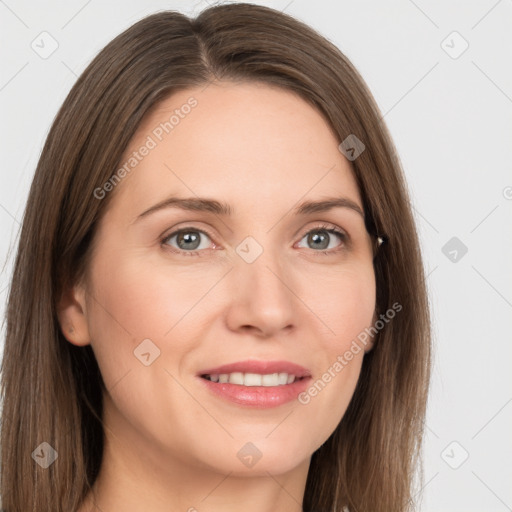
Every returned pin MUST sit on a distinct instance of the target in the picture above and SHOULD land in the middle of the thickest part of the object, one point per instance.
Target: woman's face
(266, 283)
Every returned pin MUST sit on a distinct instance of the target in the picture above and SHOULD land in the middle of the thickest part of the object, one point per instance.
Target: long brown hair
(51, 389)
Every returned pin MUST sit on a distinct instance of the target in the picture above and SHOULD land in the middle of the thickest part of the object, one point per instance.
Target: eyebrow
(224, 209)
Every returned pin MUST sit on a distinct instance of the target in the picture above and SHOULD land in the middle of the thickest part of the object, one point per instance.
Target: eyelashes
(193, 237)
(332, 232)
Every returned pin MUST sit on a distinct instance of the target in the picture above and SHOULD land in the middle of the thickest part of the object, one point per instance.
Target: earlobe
(72, 315)
(371, 339)
(369, 346)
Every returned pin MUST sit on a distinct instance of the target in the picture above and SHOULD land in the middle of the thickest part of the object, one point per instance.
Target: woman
(281, 360)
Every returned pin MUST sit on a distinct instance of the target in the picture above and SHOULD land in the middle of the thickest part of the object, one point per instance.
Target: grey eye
(187, 240)
(322, 239)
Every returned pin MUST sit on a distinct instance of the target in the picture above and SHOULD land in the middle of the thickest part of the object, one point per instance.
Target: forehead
(245, 143)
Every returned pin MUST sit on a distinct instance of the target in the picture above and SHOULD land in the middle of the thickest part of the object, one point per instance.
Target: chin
(258, 457)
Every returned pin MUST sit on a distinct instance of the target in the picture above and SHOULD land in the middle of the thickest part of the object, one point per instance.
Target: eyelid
(166, 237)
(332, 229)
(323, 225)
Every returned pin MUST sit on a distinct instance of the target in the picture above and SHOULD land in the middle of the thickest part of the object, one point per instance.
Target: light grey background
(451, 120)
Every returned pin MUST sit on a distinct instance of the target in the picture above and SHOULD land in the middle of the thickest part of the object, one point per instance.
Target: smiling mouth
(253, 379)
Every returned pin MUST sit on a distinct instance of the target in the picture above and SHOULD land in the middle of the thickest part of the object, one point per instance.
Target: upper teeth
(252, 379)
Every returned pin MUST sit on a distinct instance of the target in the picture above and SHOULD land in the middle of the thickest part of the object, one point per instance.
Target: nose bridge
(261, 295)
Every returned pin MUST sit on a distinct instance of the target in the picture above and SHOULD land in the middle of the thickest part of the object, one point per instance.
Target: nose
(262, 301)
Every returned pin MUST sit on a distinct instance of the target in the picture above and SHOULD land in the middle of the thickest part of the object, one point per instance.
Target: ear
(72, 315)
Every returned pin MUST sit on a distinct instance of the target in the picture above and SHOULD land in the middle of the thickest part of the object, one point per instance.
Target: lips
(257, 384)
(259, 367)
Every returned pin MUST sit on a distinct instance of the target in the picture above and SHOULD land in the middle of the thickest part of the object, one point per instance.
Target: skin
(170, 443)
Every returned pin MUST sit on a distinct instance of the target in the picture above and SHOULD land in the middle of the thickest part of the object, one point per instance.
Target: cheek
(133, 300)
(136, 297)
(345, 301)
(347, 308)
(355, 306)
(128, 304)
